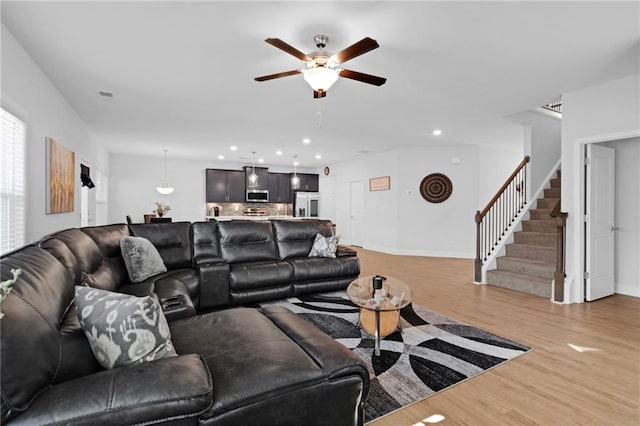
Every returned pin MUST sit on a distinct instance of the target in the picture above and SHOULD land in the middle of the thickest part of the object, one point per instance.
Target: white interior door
(356, 211)
(599, 222)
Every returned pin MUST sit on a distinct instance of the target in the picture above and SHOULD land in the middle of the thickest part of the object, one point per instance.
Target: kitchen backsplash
(238, 209)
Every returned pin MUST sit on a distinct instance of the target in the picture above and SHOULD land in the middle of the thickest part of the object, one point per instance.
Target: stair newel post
(478, 262)
(560, 219)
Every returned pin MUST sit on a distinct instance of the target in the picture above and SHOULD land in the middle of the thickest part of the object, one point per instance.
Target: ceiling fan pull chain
(319, 114)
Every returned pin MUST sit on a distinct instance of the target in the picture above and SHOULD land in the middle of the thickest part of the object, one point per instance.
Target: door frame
(582, 240)
(350, 212)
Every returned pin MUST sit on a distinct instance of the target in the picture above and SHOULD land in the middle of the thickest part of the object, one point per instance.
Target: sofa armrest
(174, 299)
(343, 251)
(151, 392)
(214, 283)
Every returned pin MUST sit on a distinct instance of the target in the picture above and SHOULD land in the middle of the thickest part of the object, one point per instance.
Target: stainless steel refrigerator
(306, 204)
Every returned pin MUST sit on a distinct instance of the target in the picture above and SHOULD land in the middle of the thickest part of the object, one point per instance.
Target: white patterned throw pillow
(324, 246)
(122, 329)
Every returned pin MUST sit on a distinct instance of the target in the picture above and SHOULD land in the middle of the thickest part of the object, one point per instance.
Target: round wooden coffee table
(379, 317)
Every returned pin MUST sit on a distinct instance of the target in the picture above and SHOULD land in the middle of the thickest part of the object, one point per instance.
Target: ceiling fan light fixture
(321, 78)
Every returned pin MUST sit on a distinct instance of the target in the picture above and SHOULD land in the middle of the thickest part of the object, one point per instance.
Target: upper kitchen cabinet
(279, 188)
(263, 177)
(225, 186)
(308, 182)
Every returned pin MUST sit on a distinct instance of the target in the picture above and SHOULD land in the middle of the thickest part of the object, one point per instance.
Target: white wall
(608, 111)
(495, 164)
(627, 216)
(541, 133)
(400, 221)
(30, 95)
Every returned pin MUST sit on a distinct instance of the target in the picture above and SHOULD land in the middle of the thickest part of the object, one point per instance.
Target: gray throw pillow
(123, 329)
(141, 258)
(324, 246)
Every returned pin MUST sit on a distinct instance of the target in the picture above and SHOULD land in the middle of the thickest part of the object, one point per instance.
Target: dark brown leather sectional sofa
(235, 366)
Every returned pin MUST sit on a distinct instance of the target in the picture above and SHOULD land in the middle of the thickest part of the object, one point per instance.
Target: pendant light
(165, 188)
(295, 180)
(253, 177)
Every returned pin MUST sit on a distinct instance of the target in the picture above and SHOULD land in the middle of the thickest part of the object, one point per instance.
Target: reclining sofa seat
(235, 366)
(294, 240)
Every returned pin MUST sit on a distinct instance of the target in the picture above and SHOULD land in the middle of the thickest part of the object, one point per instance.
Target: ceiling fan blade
(319, 94)
(276, 42)
(356, 49)
(278, 75)
(365, 78)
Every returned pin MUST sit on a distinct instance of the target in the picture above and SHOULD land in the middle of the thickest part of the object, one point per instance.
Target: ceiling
(182, 72)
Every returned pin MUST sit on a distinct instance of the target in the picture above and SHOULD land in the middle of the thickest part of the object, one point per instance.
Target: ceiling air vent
(105, 94)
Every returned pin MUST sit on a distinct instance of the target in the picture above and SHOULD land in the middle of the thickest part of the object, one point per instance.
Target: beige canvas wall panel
(61, 163)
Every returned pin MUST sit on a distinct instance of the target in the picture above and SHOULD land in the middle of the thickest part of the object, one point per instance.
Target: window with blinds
(12, 182)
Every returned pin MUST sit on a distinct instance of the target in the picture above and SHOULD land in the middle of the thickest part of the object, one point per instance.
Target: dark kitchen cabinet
(263, 177)
(225, 186)
(279, 188)
(308, 182)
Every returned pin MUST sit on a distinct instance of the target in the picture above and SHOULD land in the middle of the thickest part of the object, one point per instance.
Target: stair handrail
(560, 219)
(499, 214)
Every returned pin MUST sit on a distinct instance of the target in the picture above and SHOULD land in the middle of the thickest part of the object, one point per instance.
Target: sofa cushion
(324, 246)
(84, 249)
(318, 268)
(267, 359)
(121, 329)
(294, 238)
(204, 236)
(245, 241)
(255, 275)
(141, 258)
(111, 273)
(173, 241)
(107, 237)
(63, 253)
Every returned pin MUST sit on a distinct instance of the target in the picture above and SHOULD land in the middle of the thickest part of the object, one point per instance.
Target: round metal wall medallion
(436, 188)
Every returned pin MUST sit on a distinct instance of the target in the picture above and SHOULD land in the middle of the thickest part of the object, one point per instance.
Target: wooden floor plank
(584, 369)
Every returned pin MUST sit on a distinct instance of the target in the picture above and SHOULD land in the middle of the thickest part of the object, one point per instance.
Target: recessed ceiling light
(318, 156)
(260, 160)
(278, 152)
(233, 148)
(306, 141)
(437, 132)
(220, 157)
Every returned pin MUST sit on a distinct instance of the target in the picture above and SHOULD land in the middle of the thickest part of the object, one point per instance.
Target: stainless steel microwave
(257, 195)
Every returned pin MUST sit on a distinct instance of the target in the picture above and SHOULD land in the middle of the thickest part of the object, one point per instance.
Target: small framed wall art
(382, 183)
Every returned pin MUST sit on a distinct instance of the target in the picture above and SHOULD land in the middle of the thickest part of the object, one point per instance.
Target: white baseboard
(400, 252)
(628, 289)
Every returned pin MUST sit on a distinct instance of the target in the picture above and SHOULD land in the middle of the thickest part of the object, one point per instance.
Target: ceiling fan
(322, 66)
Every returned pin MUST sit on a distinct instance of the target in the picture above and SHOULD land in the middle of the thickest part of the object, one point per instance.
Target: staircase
(530, 261)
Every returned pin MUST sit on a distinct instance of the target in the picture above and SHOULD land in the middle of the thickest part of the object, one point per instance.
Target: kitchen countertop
(240, 217)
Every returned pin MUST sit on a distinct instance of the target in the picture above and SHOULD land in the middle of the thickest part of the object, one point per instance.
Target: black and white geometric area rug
(429, 354)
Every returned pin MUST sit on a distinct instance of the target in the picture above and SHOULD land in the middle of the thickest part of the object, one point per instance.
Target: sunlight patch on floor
(435, 418)
(583, 348)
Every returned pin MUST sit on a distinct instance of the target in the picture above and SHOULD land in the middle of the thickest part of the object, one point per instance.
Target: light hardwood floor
(584, 368)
